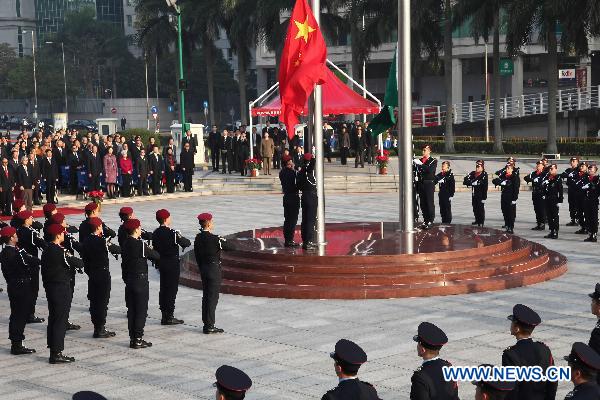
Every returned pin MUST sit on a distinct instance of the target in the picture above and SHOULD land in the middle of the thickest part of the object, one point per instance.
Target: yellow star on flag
(303, 29)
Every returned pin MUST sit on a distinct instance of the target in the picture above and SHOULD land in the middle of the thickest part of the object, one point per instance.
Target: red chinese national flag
(302, 63)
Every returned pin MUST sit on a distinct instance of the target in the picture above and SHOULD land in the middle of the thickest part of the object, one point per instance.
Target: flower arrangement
(96, 196)
(382, 160)
(253, 163)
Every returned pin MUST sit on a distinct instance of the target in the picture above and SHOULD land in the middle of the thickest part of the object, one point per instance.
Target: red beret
(57, 218)
(48, 208)
(162, 214)
(205, 217)
(286, 158)
(95, 222)
(18, 203)
(55, 229)
(131, 225)
(126, 211)
(23, 215)
(7, 231)
(91, 206)
(308, 156)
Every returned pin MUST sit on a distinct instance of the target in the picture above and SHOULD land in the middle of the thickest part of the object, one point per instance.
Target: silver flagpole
(406, 216)
(318, 143)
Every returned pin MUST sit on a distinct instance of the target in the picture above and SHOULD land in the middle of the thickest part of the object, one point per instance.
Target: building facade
(17, 21)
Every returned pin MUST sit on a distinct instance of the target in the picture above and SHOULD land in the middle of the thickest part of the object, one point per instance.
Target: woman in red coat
(126, 172)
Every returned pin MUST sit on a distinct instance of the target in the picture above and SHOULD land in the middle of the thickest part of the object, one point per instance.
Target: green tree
(8, 58)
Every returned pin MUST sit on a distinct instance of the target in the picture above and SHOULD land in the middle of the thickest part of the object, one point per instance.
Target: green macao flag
(386, 118)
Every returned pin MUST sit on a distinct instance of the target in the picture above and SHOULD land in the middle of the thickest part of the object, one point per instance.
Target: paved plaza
(284, 345)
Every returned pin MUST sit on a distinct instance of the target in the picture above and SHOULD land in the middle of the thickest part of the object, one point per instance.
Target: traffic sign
(113, 110)
(154, 115)
(170, 108)
(154, 110)
(507, 67)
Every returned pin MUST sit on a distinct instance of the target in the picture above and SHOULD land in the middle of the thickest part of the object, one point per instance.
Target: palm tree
(483, 15)
(449, 137)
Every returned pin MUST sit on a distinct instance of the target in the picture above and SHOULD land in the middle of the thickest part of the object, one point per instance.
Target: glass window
(129, 21)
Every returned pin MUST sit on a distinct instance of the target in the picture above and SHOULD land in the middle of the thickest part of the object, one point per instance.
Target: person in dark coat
(232, 383)
(155, 169)
(7, 182)
(568, 176)
(445, 180)
(585, 364)
(429, 378)
(307, 183)
(592, 192)
(243, 154)
(75, 164)
(291, 201)
(213, 142)
(191, 139)
(25, 182)
(553, 197)
(536, 178)
(580, 180)
(207, 250)
(359, 148)
(426, 166)
(527, 353)
(594, 341)
(348, 357)
(50, 175)
(36, 171)
(509, 183)
(142, 171)
(170, 166)
(226, 146)
(186, 161)
(170, 145)
(166, 241)
(17, 268)
(56, 267)
(94, 168)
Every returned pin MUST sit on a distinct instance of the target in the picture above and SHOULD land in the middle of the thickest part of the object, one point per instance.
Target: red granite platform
(374, 261)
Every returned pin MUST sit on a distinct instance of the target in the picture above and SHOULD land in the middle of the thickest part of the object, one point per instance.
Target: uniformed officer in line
(166, 241)
(291, 200)
(584, 363)
(536, 178)
(126, 213)
(93, 210)
(95, 251)
(49, 209)
(17, 267)
(478, 181)
(30, 241)
(87, 395)
(510, 160)
(594, 341)
(568, 177)
(56, 266)
(231, 384)
(492, 390)
(446, 192)
(553, 197)
(428, 378)
(348, 357)
(135, 263)
(426, 166)
(527, 353)
(307, 183)
(207, 250)
(509, 183)
(581, 179)
(592, 192)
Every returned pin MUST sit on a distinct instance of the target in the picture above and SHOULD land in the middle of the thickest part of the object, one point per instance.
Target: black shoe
(582, 231)
(17, 349)
(171, 321)
(35, 320)
(474, 223)
(509, 230)
(573, 223)
(538, 228)
(73, 327)
(591, 238)
(291, 244)
(139, 344)
(60, 358)
(554, 235)
(103, 334)
(309, 246)
(550, 235)
(211, 330)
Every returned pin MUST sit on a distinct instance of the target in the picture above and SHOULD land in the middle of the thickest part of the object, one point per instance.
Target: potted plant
(96, 196)
(382, 162)
(253, 165)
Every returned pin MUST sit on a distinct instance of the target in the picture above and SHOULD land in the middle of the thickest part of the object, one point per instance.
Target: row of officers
(428, 382)
(547, 182)
(21, 265)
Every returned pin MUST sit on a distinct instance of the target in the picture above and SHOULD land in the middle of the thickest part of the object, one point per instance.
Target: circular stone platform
(373, 260)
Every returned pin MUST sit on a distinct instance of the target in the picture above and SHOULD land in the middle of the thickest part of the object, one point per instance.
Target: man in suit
(170, 145)
(188, 138)
(36, 172)
(50, 175)
(155, 167)
(142, 171)
(25, 182)
(213, 145)
(14, 161)
(226, 146)
(359, 148)
(6, 187)
(186, 162)
(75, 163)
(94, 168)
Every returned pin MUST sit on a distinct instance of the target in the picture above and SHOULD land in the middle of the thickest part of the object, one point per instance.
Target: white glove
(441, 180)
(503, 183)
(482, 201)
(536, 179)
(586, 186)
(475, 183)
(513, 202)
(417, 161)
(450, 198)
(558, 205)
(543, 197)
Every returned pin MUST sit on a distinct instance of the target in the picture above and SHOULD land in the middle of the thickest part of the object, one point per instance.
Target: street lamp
(182, 83)
(35, 113)
(62, 46)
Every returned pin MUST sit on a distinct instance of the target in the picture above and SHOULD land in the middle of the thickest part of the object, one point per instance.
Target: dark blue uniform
(553, 196)
(536, 178)
(446, 193)
(428, 382)
(426, 188)
(308, 184)
(352, 389)
(479, 189)
(508, 198)
(291, 202)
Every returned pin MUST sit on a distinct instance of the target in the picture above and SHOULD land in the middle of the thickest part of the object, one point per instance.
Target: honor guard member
(231, 384)
(207, 249)
(87, 395)
(18, 206)
(527, 353)
(428, 380)
(308, 184)
(581, 179)
(569, 177)
(553, 198)
(291, 200)
(49, 210)
(166, 242)
(93, 210)
(348, 357)
(492, 390)
(509, 183)
(592, 192)
(478, 181)
(135, 263)
(511, 161)
(17, 267)
(56, 275)
(95, 257)
(446, 193)
(125, 213)
(536, 178)
(426, 166)
(584, 363)
(30, 241)
(594, 341)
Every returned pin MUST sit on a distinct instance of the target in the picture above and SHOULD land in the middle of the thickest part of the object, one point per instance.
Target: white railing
(510, 107)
